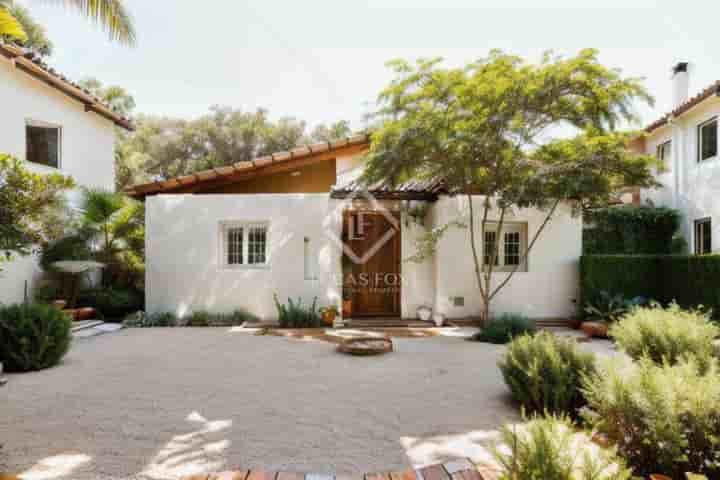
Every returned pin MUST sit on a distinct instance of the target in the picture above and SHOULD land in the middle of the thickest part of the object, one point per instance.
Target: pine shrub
(505, 328)
(544, 372)
(549, 448)
(33, 336)
(666, 334)
(663, 418)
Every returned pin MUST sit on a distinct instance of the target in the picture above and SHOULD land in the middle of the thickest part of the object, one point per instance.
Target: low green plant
(609, 308)
(33, 336)
(549, 448)
(199, 318)
(666, 334)
(143, 320)
(544, 372)
(113, 303)
(297, 315)
(235, 318)
(663, 418)
(505, 328)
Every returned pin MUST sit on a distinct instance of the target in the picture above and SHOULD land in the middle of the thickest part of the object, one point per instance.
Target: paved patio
(163, 403)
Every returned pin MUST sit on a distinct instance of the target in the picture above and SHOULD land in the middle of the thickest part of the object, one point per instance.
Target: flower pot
(439, 319)
(424, 313)
(347, 308)
(86, 313)
(594, 329)
(328, 316)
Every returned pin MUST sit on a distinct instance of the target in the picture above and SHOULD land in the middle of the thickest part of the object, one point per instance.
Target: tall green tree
(110, 15)
(489, 131)
(24, 198)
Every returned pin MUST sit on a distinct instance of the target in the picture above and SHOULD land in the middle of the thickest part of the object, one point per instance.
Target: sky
(324, 60)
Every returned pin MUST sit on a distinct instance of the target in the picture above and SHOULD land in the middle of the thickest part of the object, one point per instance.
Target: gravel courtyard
(161, 403)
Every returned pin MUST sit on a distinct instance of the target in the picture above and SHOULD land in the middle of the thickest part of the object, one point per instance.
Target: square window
(42, 145)
(707, 140)
(244, 244)
(703, 236)
(511, 248)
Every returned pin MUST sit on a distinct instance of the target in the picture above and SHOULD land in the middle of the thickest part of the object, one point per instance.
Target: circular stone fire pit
(366, 345)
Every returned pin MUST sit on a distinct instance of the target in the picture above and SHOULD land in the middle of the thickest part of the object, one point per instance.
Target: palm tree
(111, 15)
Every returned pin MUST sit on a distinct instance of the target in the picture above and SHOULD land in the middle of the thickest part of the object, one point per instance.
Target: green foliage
(199, 318)
(548, 448)
(543, 373)
(666, 335)
(662, 418)
(24, 198)
(113, 303)
(235, 318)
(609, 308)
(504, 329)
(37, 39)
(72, 247)
(631, 230)
(160, 319)
(33, 336)
(664, 278)
(297, 315)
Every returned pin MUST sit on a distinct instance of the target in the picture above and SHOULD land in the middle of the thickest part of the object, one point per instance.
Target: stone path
(460, 469)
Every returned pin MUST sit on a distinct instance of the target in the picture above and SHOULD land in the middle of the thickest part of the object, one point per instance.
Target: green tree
(24, 198)
(35, 37)
(111, 15)
(489, 131)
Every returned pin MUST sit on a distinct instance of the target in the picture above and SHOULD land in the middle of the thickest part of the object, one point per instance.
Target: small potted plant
(329, 314)
(347, 305)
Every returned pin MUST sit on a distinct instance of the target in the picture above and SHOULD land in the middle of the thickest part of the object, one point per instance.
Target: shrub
(609, 308)
(666, 334)
(505, 328)
(143, 320)
(544, 373)
(199, 318)
(33, 336)
(296, 315)
(113, 303)
(663, 419)
(548, 448)
(234, 318)
(630, 230)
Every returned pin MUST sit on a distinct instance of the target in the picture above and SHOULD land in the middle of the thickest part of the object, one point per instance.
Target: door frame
(397, 250)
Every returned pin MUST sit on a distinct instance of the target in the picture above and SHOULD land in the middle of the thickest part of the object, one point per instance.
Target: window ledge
(240, 268)
(43, 166)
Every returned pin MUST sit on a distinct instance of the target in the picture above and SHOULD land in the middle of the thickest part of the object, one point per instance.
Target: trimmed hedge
(689, 280)
(631, 230)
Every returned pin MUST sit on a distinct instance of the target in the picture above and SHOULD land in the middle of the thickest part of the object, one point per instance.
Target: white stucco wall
(184, 272)
(548, 289)
(86, 149)
(691, 187)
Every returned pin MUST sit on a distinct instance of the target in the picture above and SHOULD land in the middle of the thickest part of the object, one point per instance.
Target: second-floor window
(707, 140)
(664, 154)
(42, 144)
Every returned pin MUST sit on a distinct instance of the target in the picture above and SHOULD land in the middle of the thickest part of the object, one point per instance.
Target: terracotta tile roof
(708, 92)
(410, 190)
(29, 63)
(241, 170)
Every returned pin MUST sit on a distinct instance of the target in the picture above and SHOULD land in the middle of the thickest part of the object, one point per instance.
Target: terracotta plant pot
(328, 316)
(347, 308)
(86, 313)
(595, 329)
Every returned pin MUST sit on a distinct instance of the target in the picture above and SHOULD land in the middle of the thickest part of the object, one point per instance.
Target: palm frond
(111, 15)
(10, 26)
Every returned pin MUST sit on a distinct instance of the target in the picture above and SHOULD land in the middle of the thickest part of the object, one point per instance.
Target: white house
(293, 223)
(56, 127)
(686, 140)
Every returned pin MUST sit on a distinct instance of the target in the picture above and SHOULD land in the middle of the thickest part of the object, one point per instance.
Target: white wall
(184, 273)
(691, 187)
(548, 289)
(87, 149)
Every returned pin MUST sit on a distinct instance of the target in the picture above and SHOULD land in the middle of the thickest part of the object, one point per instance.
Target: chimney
(680, 83)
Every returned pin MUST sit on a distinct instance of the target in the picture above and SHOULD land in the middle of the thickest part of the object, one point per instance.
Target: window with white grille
(510, 248)
(244, 244)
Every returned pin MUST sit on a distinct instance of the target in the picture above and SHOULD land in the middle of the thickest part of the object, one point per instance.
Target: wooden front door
(372, 272)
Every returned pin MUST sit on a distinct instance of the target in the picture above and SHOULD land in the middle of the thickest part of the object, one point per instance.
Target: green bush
(505, 328)
(113, 303)
(296, 315)
(548, 448)
(544, 372)
(199, 318)
(666, 334)
(234, 318)
(631, 230)
(684, 279)
(610, 308)
(33, 336)
(143, 320)
(663, 419)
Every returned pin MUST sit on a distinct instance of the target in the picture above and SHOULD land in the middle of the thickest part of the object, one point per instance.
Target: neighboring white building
(686, 140)
(56, 127)
(232, 237)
